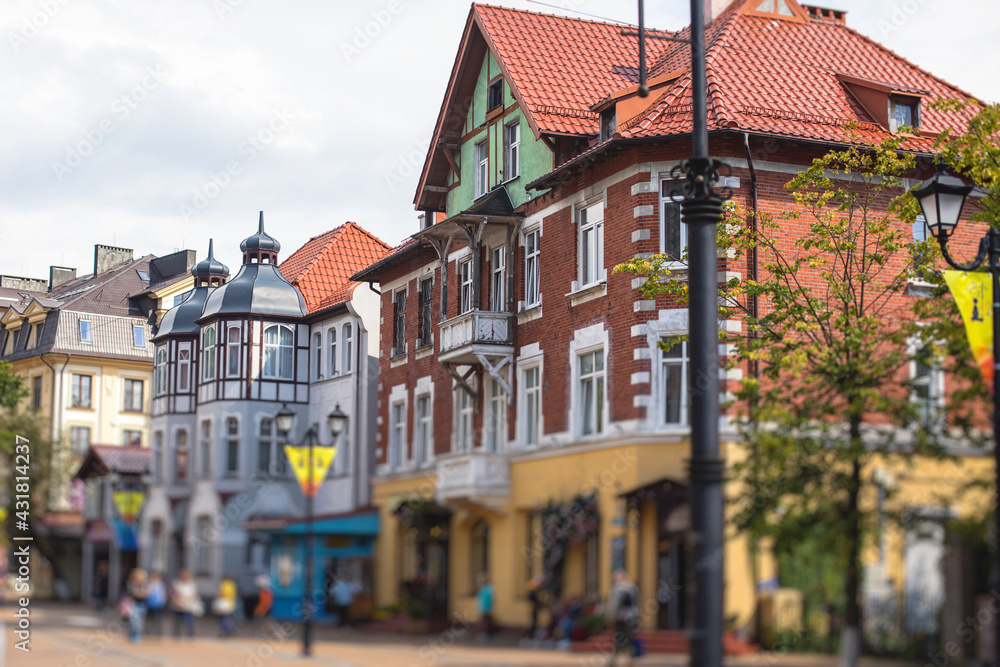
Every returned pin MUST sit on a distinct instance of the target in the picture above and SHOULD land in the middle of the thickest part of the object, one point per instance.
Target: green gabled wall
(536, 158)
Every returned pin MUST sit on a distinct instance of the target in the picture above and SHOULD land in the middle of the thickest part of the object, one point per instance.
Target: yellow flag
(129, 503)
(298, 457)
(973, 293)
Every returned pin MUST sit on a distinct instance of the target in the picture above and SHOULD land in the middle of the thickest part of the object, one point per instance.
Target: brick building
(521, 381)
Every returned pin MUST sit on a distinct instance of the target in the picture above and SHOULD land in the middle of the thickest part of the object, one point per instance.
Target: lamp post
(285, 420)
(942, 198)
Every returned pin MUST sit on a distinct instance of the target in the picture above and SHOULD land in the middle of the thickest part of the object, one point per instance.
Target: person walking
(138, 590)
(224, 606)
(485, 599)
(342, 592)
(262, 623)
(535, 603)
(156, 603)
(99, 587)
(185, 603)
(623, 616)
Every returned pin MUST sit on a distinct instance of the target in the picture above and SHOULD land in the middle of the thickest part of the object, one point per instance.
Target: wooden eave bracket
(463, 381)
(495, 373)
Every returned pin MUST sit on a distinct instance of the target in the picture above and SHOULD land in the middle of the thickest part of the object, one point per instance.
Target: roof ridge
(367, 233)
(716, 93)
(608, 22)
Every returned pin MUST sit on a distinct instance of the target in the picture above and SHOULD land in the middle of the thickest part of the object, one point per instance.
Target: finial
(211, 255)
(260, 228)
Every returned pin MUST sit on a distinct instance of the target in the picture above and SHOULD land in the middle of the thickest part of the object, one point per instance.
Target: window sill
(424, 351)
(588, 293)
(918, 288)
(398, 360)
(529, 313)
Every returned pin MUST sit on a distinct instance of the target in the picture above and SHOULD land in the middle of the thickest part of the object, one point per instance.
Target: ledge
(589, 293)
(529, 314)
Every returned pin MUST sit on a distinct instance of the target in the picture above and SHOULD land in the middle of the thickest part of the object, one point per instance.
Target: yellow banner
(298, 457)
(973, 293)
(129, 503)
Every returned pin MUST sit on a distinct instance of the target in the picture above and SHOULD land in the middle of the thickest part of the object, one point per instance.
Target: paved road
(78, 638)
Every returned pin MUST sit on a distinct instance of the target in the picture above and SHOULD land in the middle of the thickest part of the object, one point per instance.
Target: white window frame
(208, 350)
(423, 430)
(233, 348)
(318, 361)
(76, 447)
(593, 255)
(933, 406)
(183, 367)
(86, 332)
(347, 332)
(160, 372)
(157, 463)
(465, 279)
(481, 164)
(665, 199)
(283, 354)
(205, 449)
(599, 394)
(495, 424)
(498, 279)
(512, 150)
(177, 477)
(331, 343)
(532, 276)
(397, 435)
(230, 438)
(138, 335)
(684, 361)
(463, 433)
(531, 399)
(127, 405)
(277, 465)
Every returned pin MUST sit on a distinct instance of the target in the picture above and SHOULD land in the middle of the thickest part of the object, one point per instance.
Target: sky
(158, 125)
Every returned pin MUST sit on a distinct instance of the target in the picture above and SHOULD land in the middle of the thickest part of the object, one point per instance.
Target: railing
(476, 327)
(473, 474)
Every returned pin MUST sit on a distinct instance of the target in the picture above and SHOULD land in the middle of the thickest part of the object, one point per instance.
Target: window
(8, 340)
(139, 335)
(592, 392)
(278, 352)
(205, 453)
(927, 380)
(496, 423)
(775, 7)
(498, 279)
(143, 275)
(181, 298)
(609, 123)
(673, 382)
(233, 352)
(349, 344)
(481, 160)
(532, 257)
(512, 150)
(903, 111)
(29, 336)
(673, 234)
(399, 322)
(591, 249)
(79, 440)
(86, 333)
(424, 335)
(397, 434)
(202, 553)
(183, 368)
(271, 456)
(465, 286)
(463, 420)
(318, 356)
(160, 372)
(132, 437)
(181, 457)
(208, 353)
(133, 396)
(422, 428)
(80, 391)
(36, 391)
(479, 553)
(495, 95)
(157, 464)
(331, 341)
(232, 446)
(532, 405)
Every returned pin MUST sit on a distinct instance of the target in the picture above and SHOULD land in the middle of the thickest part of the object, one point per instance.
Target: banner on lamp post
(298, 458)
(129, 503)
(973, 293)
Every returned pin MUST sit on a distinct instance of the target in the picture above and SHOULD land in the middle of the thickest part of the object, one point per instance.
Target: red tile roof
(322, 268)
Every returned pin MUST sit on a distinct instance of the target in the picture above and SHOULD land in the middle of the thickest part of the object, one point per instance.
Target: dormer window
(903, 111)
(494, 97)
(779, 7)
(609, 123)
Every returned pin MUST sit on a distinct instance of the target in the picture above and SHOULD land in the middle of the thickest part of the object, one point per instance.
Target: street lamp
(285, 421)
(942, 198)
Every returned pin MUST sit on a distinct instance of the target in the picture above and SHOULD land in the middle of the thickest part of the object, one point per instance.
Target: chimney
(713, 8)
(59, 275)
(107, 257)
(835, 16)
(24, 284)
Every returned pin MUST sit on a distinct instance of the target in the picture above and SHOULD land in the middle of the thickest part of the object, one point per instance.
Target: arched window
(233, 351)
(479, 552)
(208, 353)
(331, 336)
(318, 350)
(348, 344)
(278, 352)
(161, 371)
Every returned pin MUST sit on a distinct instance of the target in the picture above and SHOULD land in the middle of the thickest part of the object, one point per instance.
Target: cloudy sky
(156, 125)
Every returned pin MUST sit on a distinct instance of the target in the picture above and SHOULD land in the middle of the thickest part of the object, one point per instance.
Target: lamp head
(285, 420)
(942, 198)
(337, 420)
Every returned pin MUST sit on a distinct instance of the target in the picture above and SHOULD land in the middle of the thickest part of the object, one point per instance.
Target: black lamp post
(285, 420)
(942, 198)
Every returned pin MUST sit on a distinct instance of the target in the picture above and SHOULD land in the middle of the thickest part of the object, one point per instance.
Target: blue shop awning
(364, 523)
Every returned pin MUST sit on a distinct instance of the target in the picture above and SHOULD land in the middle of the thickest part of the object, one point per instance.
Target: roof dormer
(890, 105)
(785, 10)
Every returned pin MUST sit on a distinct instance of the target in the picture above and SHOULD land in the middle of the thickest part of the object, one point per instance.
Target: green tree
(828, 328)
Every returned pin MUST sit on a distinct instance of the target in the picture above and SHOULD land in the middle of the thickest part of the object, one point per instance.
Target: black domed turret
(260, 247)
(209, 271)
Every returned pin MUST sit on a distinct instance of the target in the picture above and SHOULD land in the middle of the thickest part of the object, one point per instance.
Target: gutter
(754, 259)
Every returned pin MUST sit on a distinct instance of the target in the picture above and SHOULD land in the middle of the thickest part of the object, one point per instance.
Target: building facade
(530, 425)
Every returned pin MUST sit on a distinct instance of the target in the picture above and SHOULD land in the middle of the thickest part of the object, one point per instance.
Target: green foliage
(12, 388)
(31, 429)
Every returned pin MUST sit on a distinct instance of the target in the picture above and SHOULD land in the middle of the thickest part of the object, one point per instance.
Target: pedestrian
(156, 603)
(535, 603)
(485, 599)
(99, 587)
(342, 593)
(623, 616)
(138, 590)
(185, 603)
(224, 606)
(262, 623)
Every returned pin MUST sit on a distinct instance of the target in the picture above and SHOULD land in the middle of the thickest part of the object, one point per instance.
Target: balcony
(478, 332)
(477, 477)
